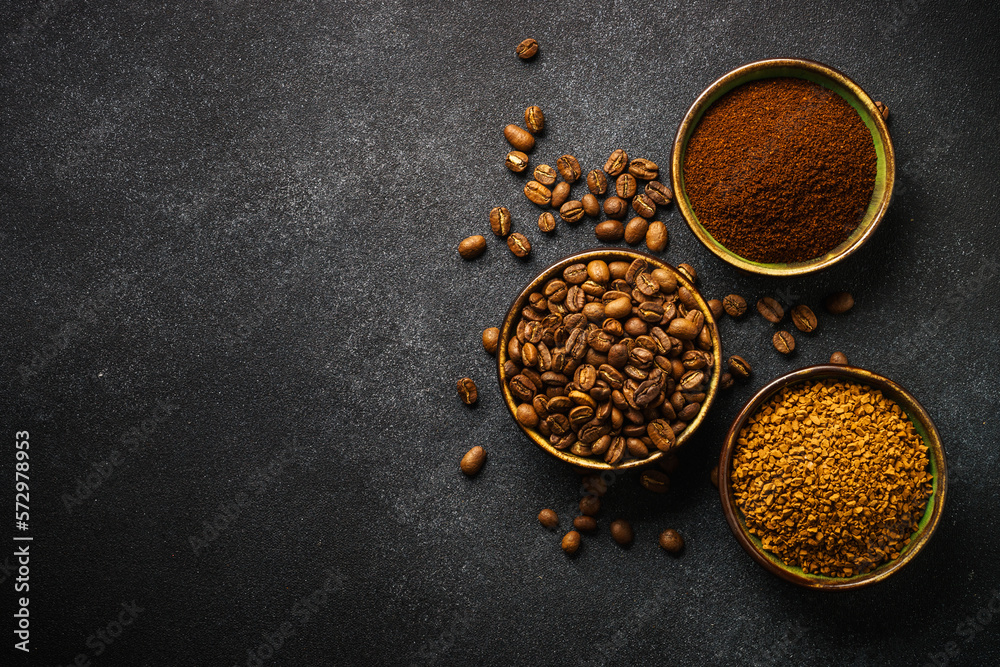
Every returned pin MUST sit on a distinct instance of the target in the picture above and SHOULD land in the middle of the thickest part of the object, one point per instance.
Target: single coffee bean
(590, 505)
(615, 208)
(569, 167)
(516, 161)
(655, 481)
(726, 381)
(472, 247)
(548, 518)
(803, 318)
(571, 542)
(838, 358)
(739, 367)
(883, 110)
(671, 541)
(534, 119)
(838, 303)
(585, 524)
(467, 391)
(519, 138)
(537, 193)
(597, 182)
(636, 448)
(491, 336)
(656, 236)
(617, 163)
(591, 206)
(642, 168)
(770, 310)
(783, 342)
(715, 306)
(519, 244)
(621, 531)
(610, 231)
(526, 415)
(661, 434)
(572, 211)
(683, 328)
(635, 230)
(625, 186)
(598, 271)
(659, 193)
(575, 274)
(688, 272)
(616, 452)
(546, 222)
(644, 206)
(473, 461)
(527, 49)
(559, 195)
(545, 174)
(734, 305)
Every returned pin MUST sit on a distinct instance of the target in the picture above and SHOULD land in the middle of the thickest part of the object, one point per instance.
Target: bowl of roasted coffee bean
(832, 477)
(783, 167)
(609, 358)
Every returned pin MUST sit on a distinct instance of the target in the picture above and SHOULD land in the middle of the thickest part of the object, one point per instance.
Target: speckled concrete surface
(234, 317)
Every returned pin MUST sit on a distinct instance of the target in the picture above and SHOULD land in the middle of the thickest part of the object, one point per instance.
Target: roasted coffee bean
(522, 388)
(598, 271)
(625, 186)
(591, 206)
(519, 244)
(671, 541)
(650, 311)
(571, 542)
(511, 368)
(635, 326)
(472, 247)
(615, 208)
(621, 531)
(804, 318)
(527, 49)
(838, 358)
(571, 211)
(662, 435)
(715, 306)
(882, 109)
(519, 138)
(500, 221)
(590, 505)
(644, 206)
(597, 182)
(516, 161)
(635, 230)
(491, 336)
(682, 328)
(770, 310)
(526, 415)
(666, 279)
(563, 440)
(659, 193)
(529, 355)
(655, 481)
(473, 461)
(739, 367)
(783, 342)
(534, 119)
(575, 274)
(706, 337)
(656, 236)
(637, 266)
(545, 174)
(636, 448)
(560, 193)
(726, 380)
(838, 303)
(689, 412)
(616, 451)
(609, 231)
(584, 523)
(694, 359)
(688, 272)
(537, 193)
(548, 518)
(569, 168)
(642, 168)
(467, 391)
(546, 222)
(617, 163)
(734, 305)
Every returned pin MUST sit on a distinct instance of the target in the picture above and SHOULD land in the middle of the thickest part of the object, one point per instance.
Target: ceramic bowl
(824, 76)
(509, 329)
(937, 468)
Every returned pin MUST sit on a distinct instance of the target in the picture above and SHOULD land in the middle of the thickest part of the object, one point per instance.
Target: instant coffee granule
(831, 476)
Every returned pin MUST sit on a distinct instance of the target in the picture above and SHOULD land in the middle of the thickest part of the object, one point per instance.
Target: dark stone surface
(229, 276)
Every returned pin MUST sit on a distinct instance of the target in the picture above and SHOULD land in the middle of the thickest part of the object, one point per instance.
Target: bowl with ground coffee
(783, 167)
(608, 359)
(832, 477)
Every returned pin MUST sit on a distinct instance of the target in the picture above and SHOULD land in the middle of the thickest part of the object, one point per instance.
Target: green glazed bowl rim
(921, 421)
(829, 78)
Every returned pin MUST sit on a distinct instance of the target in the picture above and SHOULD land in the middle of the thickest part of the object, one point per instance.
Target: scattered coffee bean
(883, 110)
(472, 247)
(615, 208)
(537, 193)
(519, 138)
(597, 182)
(783, 342)
(659, 193)
(560, 193)
(491, 336)
(467, 391)
(839, 358)
(473, 461)
(571, 542)
(713, 476)
(726, 381)
(548, 518)
(571, 211)
(656, 236)
(590, 505)
(516, 161)
(621, 531)
(739, 367)
(617, 163)
(715, 305)
(770, 310)
(803, 318)
(655, 481)
(642, 168)
(625, 186)
(635, 230)
(644, 206)
(500, 221)
(527, 49)
(546, 222)
(688, 272)
(609, 231)
(585, 524)
(734, 305)
(519, 244)
(671, 541)
(838, 303)
(545, 174)
(569, 167)
(591, 206)
(534, 119)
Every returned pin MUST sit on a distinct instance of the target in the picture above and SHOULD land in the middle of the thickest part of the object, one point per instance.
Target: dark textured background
(229, 276)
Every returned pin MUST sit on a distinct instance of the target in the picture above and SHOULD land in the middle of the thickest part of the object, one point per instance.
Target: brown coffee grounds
(780, 170)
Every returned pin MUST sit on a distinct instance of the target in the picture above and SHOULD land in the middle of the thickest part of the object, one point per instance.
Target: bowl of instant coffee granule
(832, 477)
(608, 359)
(783, 167)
